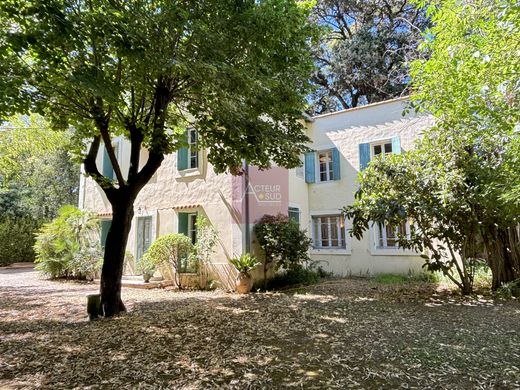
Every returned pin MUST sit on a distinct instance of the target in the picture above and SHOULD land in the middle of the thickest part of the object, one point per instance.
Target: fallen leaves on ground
(340, 334)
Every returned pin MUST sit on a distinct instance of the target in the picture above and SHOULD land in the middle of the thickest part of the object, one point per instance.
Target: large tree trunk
(112, 271)
(503, 252)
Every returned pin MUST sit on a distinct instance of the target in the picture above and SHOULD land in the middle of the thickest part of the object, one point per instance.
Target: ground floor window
(144, 236)
(294, 214)
(188, 226)
(328, 231)
(387, 235)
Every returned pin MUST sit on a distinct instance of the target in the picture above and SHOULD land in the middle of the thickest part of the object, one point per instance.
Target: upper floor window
(370, 150)
(188, 156)
(381, 149)
(322, 166)
(294, 214)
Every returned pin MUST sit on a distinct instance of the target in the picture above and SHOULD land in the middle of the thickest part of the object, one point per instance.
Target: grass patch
(410, 278)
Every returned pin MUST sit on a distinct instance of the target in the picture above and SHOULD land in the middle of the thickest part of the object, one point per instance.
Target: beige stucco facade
(173, 191)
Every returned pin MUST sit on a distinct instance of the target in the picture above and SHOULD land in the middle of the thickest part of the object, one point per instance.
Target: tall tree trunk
(503, 253)
(113, 261)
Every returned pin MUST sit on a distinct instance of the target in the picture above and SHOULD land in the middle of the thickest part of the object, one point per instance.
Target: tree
(365, 53)
(144, 70)
(37, 172)
(285, 246)
(459, 185)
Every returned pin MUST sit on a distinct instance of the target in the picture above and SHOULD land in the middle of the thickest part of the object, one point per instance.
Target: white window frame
(192, 228)
(329, 168)
(381, 143)
(376, 249)
(193, 152)
(345, 250)
(295, 209)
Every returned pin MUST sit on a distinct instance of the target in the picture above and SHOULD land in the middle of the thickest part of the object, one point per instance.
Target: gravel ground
(340, 334)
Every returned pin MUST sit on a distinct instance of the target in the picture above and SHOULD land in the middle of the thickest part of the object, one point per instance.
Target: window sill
(393, 252)
(327, 182)
(190, 172)
(330, 251)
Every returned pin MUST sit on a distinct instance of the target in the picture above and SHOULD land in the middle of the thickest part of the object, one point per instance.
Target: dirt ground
(340, 334)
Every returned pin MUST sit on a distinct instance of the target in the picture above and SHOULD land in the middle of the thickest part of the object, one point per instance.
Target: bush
(17, 239)
(68, 247)
(174, 250)
(292, 277)
(284, 244)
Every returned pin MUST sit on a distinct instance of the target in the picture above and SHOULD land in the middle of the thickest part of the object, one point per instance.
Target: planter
(147, 276)
(244, 283)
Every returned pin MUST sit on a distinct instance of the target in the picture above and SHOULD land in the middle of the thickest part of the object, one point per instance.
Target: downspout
(246, 211)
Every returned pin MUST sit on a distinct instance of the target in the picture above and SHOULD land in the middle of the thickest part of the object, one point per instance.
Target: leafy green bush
(68, 247)
(17, 239)
(284, 244)
(175, 251)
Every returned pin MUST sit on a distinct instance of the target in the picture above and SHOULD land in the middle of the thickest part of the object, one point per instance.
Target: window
(368, 151)
(326, 168)
(329, 231)
(188, 226)
(325, 165)
(381, 149)
(294, 214)
(188, 156)
(387, 235)
(144, 235)
(193, 149)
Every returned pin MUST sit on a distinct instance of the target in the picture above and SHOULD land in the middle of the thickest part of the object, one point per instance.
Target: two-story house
(343, 143)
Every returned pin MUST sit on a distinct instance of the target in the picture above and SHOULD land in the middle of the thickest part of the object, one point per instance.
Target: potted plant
(244, 265)
(146, 267)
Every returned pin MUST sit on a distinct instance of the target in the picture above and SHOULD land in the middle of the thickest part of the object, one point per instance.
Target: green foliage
(293, 277)
(171, 250)
(37, 175)
(284, 244)
(365, 51)
(147, 266)
(410, 278)
(244, 263)
(69, 245)
(17, 239)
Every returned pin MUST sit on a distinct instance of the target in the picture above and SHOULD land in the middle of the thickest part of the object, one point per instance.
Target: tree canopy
(145, 70)
(460, 185)
(365, 52)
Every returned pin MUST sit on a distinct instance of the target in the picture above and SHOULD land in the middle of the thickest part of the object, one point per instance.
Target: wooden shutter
(336, 162)
(364, 156)
(108, 170)
(183, 155)
(105, 227)
(310, 168)
(396, 145)
(183, 223)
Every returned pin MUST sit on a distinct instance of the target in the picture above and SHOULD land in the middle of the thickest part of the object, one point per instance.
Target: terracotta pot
(244, 283)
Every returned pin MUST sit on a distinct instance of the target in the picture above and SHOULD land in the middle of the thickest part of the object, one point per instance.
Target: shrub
(174, 250)
(293, 277)
(17, 239)
(284, 244)
(69, 245)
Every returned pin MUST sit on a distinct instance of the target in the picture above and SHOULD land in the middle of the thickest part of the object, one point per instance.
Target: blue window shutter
(364, 156)
(105, 227)
(396, 145)
(183, 223)
(336, 162)
(108, 170)
(182, 155)
(310, 168)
